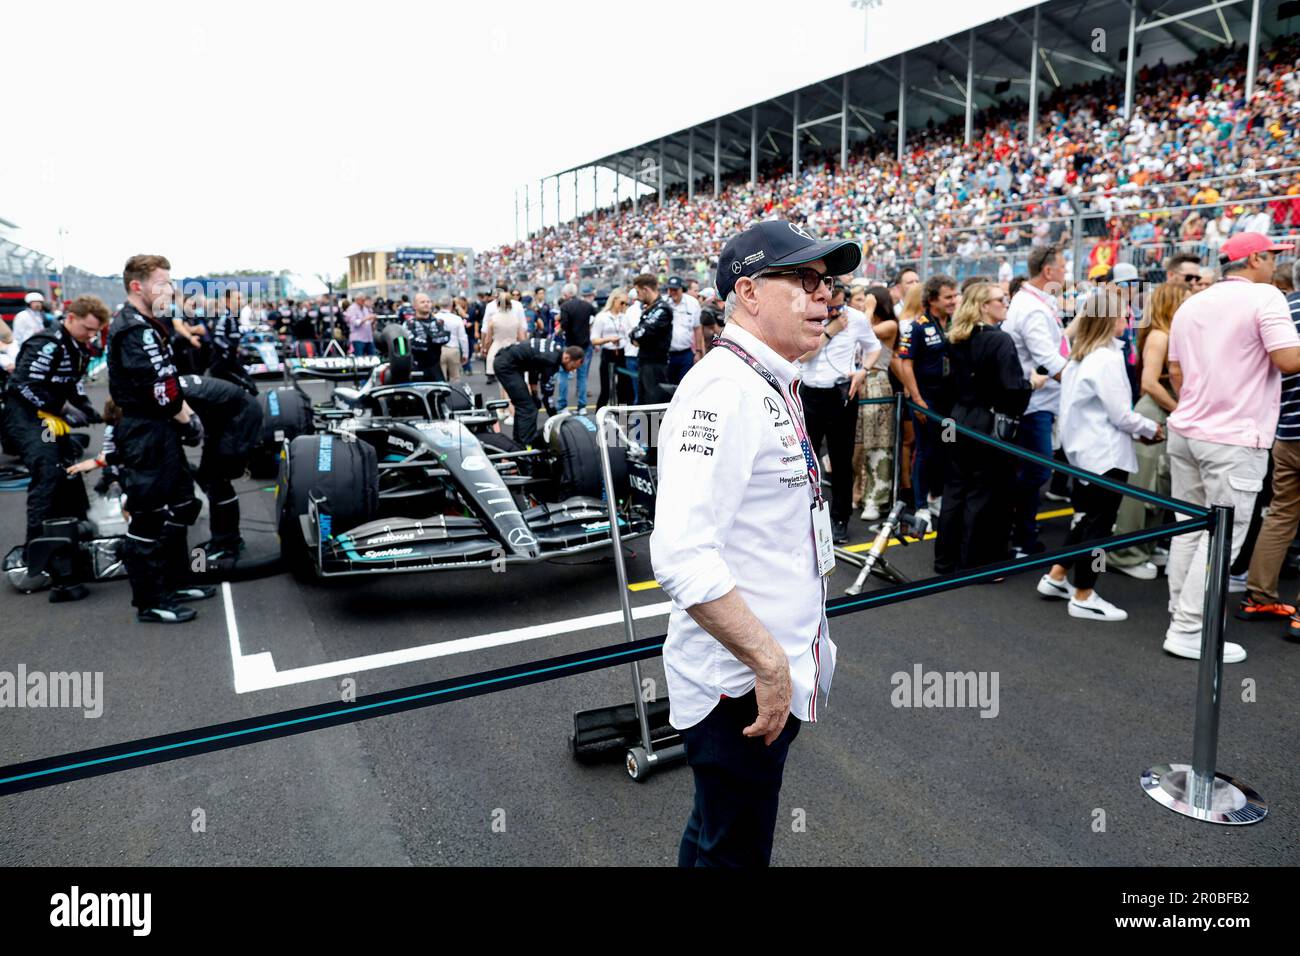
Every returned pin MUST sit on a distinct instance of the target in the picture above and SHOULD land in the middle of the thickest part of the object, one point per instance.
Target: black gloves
(192, 432)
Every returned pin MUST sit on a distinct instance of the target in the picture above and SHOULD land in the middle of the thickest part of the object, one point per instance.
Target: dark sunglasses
(809, 278)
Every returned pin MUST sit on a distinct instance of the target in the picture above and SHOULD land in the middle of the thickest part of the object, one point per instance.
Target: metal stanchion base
(1233, 803)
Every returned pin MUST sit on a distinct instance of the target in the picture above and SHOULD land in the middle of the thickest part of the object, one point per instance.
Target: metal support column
(1198, 790)
(1252, 66)
(595, 192)
(1128, 63)
(690, 165)
(902, 104)
(575, 195)
(753, 145)
(516, 215)
(527, 226)
(844, 121)
(717, 158)
(794, 141)
(660, 198)
(970, 87)
(541, 204)
(1033, 82)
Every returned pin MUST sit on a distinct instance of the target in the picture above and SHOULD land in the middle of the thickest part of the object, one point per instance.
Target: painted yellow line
(866, 546)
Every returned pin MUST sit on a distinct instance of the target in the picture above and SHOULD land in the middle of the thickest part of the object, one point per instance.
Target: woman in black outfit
(975, 520)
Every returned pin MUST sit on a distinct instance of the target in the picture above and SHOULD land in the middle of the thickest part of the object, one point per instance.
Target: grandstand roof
(1078, 40)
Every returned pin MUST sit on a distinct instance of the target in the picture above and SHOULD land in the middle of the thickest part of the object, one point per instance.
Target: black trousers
(52, 493)
(624, 386)
(827, 416)
(525, 406)
(216, 474)
(975, 520)
(737, 787)
(160, 500)
(652, 376)
(1099, 506)
(609, 360)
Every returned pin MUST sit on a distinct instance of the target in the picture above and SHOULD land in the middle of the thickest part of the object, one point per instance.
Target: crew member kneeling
(742, 543)
(47, 375)
(160, 498)
(543, 358)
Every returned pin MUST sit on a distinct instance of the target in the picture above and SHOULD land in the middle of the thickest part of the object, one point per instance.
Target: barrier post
(898, 443)
(1198, 791)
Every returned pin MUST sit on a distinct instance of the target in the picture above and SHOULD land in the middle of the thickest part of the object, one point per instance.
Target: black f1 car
(414, 477)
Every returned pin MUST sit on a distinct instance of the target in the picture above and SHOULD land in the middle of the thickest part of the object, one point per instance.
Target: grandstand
(1120, 129)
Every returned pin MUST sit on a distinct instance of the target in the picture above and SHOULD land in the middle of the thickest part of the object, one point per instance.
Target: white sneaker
(1146, 571)
(1096, 608)
(1059, 590)
(936, 504)
(1189, 646)
(1236, 584)
(1160, 557)
(870, 513)
(922, 518)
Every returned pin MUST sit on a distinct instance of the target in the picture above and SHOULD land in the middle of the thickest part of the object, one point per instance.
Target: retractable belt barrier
(1194, 790)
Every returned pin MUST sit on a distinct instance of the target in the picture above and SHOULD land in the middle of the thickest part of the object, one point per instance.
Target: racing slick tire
(575, 443)
(344, 472)
(285, 411)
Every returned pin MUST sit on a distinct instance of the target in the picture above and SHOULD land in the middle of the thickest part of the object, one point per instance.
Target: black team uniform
(225, 362)
(541, 357)
(652, 336)
(160, 498)
(428, 336)
(48, 375)
(232, 428)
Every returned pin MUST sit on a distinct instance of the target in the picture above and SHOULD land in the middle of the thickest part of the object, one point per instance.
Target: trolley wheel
(638, 764)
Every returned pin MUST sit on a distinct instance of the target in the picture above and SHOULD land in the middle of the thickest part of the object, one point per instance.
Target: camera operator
(156, 420)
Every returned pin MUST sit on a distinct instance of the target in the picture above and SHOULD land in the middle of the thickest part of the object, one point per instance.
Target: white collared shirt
(686, 316)
(837, 361)
(733, 511)
(1034, 324)
(456, 325)
(1098, 423)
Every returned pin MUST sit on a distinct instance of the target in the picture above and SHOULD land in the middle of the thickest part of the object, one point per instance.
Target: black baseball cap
(675, 282)
(779, 243)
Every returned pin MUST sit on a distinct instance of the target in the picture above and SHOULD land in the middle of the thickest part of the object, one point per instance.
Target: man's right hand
(192, 431)
(773, 691)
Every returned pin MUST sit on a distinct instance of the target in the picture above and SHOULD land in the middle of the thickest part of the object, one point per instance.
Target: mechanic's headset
(394, 344)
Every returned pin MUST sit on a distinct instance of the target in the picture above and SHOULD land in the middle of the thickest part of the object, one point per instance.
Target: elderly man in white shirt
(682, 353)
(831, 380)
(742, 542)
(453, 353)
(1034, 324)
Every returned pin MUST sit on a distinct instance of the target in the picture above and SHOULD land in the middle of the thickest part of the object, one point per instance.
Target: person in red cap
(1229, 346)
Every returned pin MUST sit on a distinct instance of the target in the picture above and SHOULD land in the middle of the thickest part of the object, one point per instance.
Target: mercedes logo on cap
(799, 232)
(735, 267)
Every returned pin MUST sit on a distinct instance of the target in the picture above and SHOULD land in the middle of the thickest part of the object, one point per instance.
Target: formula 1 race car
(407, 483)
(262, 352)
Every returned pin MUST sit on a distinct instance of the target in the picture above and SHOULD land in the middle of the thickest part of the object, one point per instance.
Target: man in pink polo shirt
(1228, 348)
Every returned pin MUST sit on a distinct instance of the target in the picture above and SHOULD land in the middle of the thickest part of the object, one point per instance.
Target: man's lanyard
(810, 460)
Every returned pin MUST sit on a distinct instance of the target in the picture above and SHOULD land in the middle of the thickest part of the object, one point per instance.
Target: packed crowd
(1190, 123)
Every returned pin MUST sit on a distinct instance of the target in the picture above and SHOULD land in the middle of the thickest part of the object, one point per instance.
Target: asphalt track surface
(1083, 709)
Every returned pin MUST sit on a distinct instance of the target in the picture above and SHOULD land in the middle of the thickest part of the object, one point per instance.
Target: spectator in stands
(990, 392)
(1279, 526)
(1034, 324)
(1098, 425)
(1228, 349)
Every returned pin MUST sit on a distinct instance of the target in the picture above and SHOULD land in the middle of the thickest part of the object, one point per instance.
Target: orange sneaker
(1252, 610)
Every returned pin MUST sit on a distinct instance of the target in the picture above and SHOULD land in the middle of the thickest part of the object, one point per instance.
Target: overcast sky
(272, 135)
